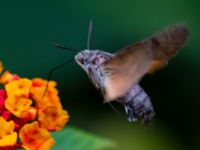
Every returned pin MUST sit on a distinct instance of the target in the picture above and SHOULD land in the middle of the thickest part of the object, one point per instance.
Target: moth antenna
(53, 70)
(89, 34)
(65, 48)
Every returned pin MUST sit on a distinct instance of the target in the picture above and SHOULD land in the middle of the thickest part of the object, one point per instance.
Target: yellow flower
(8, 77)
(17, 105)
(7, 135)
(35, 138)
(53, 118)
(45, 97)
(19, 87)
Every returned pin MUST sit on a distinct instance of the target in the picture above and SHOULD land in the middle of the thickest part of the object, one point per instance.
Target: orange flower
(45, 97)
(30, 114)
(35, 138)
(17, 105)
(38, 82)
(53, 118)
(1, 67)
(8, 77)
(19, 87)
(23, 101)
(7, 135)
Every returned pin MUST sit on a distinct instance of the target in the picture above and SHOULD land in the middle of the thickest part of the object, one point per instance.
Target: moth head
(88, 58)
(84, 58)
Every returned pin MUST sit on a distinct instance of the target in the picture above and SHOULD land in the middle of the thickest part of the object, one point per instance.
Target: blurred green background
(28, 29)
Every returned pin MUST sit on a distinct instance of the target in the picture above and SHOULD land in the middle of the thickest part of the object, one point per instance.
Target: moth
(117, 75)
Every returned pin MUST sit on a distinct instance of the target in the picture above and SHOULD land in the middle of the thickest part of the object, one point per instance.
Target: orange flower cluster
(29, 110)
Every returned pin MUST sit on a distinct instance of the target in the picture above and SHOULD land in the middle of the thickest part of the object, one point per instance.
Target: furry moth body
(117, 75)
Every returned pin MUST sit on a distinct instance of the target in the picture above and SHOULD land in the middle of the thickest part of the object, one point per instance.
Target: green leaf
(76, 139)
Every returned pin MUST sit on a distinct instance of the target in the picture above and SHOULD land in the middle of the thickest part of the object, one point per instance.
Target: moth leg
(137, 108)
(130, 111)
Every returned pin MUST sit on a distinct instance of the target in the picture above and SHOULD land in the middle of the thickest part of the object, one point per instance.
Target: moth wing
(125, 69)
(165, 44)
(129, 64)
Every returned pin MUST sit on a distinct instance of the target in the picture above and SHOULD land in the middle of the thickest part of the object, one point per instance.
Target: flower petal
(8, 139)
(1, 67)
(35, 138)
(38, 82)
(19, 87)
(8, 77)
(7, 135)
(45, 97)
(18, 105)
(53, 118)
(30, 114)
(25, 117)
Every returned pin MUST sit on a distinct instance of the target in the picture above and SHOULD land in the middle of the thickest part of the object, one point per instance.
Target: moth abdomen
(139, 109)
(137, 104)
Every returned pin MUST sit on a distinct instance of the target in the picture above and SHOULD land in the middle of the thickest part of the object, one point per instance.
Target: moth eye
(81, 60)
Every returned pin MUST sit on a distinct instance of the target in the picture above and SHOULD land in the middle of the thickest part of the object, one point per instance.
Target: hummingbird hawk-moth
(117, 75)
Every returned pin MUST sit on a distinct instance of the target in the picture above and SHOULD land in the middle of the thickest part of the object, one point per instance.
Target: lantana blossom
(8, 136)
(29, 110)
(35, 138)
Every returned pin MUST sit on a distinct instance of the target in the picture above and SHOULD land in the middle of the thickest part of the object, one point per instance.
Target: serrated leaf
(76, 139)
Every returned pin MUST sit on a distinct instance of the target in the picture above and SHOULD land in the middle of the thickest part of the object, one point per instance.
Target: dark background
(28, 30)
